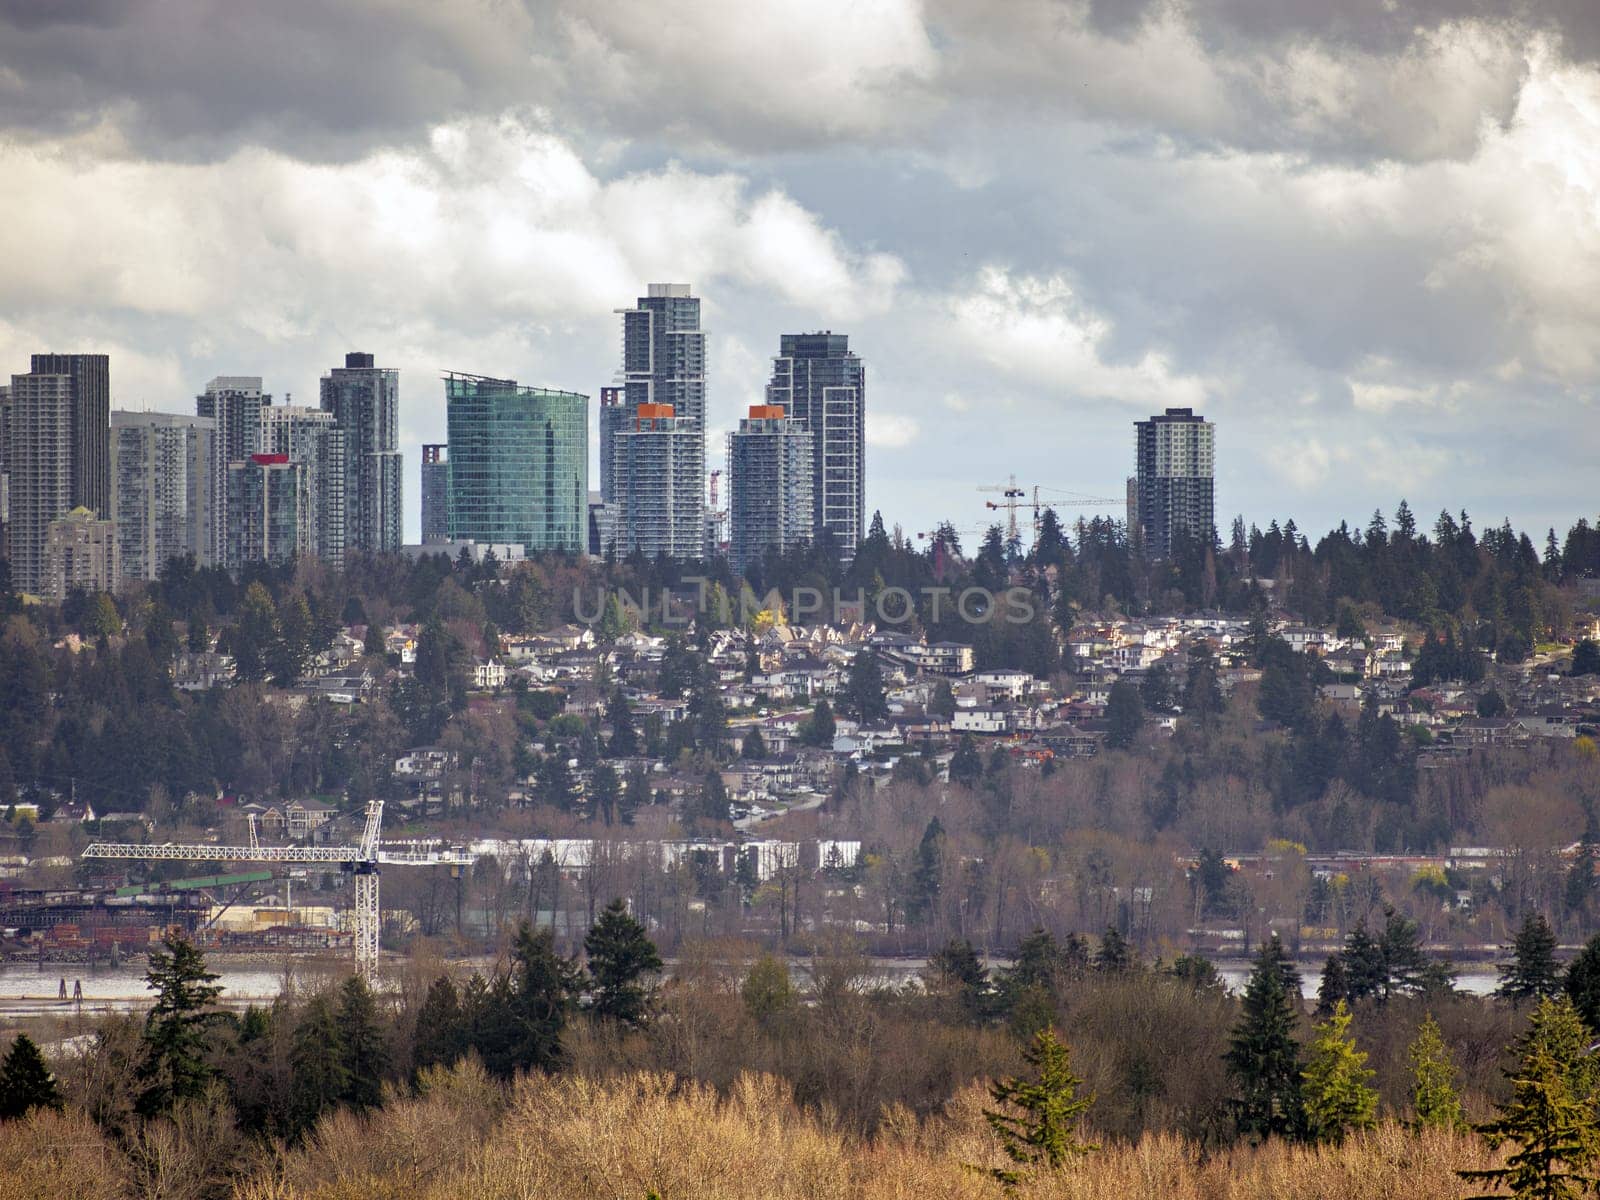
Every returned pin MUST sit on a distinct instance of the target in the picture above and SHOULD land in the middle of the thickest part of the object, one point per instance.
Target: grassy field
(641, 1135)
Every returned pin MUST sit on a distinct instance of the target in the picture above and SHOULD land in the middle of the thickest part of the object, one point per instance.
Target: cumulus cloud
(489, 222)
(1038, 329)
(891, 431)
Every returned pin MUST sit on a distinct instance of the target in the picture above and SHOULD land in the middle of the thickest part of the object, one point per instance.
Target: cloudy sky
(1362, 235)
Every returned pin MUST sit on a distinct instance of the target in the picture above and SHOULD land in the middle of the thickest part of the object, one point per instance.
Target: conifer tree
(177, 1030)
(957, 972)
(1582, 983)
(1038, 1125)
(767, 991)
(320, 1078)
(1433, 1079)
(1114, 955)
(624, 741)
(441, 1027)
(1532, 972)
(25, 1081)
(1548, 1120)
(621, 955)
(533, 1003)
(1263, 1058)
(1336, 1090)
(1334, 987)
(364, 1049)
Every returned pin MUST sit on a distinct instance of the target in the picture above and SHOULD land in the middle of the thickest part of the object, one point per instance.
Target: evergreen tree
(1336, 1091)
(966, 765)
(1532, 972)
(712, 804)
(1124, 715)
(1404, 965)
(1585, 658)
(1038, 1125)
(364, 1050)
(621, 955)
(605, 791)
(818, 729)
(320, 1078)
(441, 1037)
(25, 1081)
(957, 972)
(1365, 972)
(1433, 1079)
(1114, 957)
(1334, 989)
(864, 691)
(624, 741)
(927, 874)
(177, 1030)
(754, 746)
(1263, 1058)
(1582, 983)
(1550, 1121)
(767, 991)
(535, 1000)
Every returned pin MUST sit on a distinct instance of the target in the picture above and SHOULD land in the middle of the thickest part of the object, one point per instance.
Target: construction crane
(362, 861)
(1014, 497)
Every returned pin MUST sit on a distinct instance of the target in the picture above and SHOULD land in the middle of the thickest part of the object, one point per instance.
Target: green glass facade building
(519, 464)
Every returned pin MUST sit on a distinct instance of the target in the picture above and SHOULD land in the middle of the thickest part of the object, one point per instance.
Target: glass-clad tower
(519, 464)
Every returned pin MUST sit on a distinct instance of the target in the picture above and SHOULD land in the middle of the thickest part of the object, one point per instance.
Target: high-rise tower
(169, 491)
(817, 380)
(90, 374)
(769, 493)
(519, 464)
(365, 402)
(40, 452)
(235, 402)
(1175, 488)
(663, 367)
(659, 461)
(435, 493)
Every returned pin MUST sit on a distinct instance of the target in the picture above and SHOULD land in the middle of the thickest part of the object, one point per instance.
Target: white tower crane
(362, 861)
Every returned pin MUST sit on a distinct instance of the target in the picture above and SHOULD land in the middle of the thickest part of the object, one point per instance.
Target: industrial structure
(362, 861)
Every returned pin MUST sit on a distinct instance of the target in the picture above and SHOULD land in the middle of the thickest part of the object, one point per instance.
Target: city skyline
(1362, 244)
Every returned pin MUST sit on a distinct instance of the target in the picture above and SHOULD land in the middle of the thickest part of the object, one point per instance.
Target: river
(27, 990)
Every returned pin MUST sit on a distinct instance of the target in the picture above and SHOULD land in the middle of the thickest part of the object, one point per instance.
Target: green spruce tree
(1038, 1122)
(364, 1045)
(1582, 983)
(1434, 1101)
(1336, 1091)
(441, 1037)
(1532, 973)
(1549, 1122)
(319, 1078)
(25, 1081)
(1263, 1057)
(621, 960)
(178, 1029)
